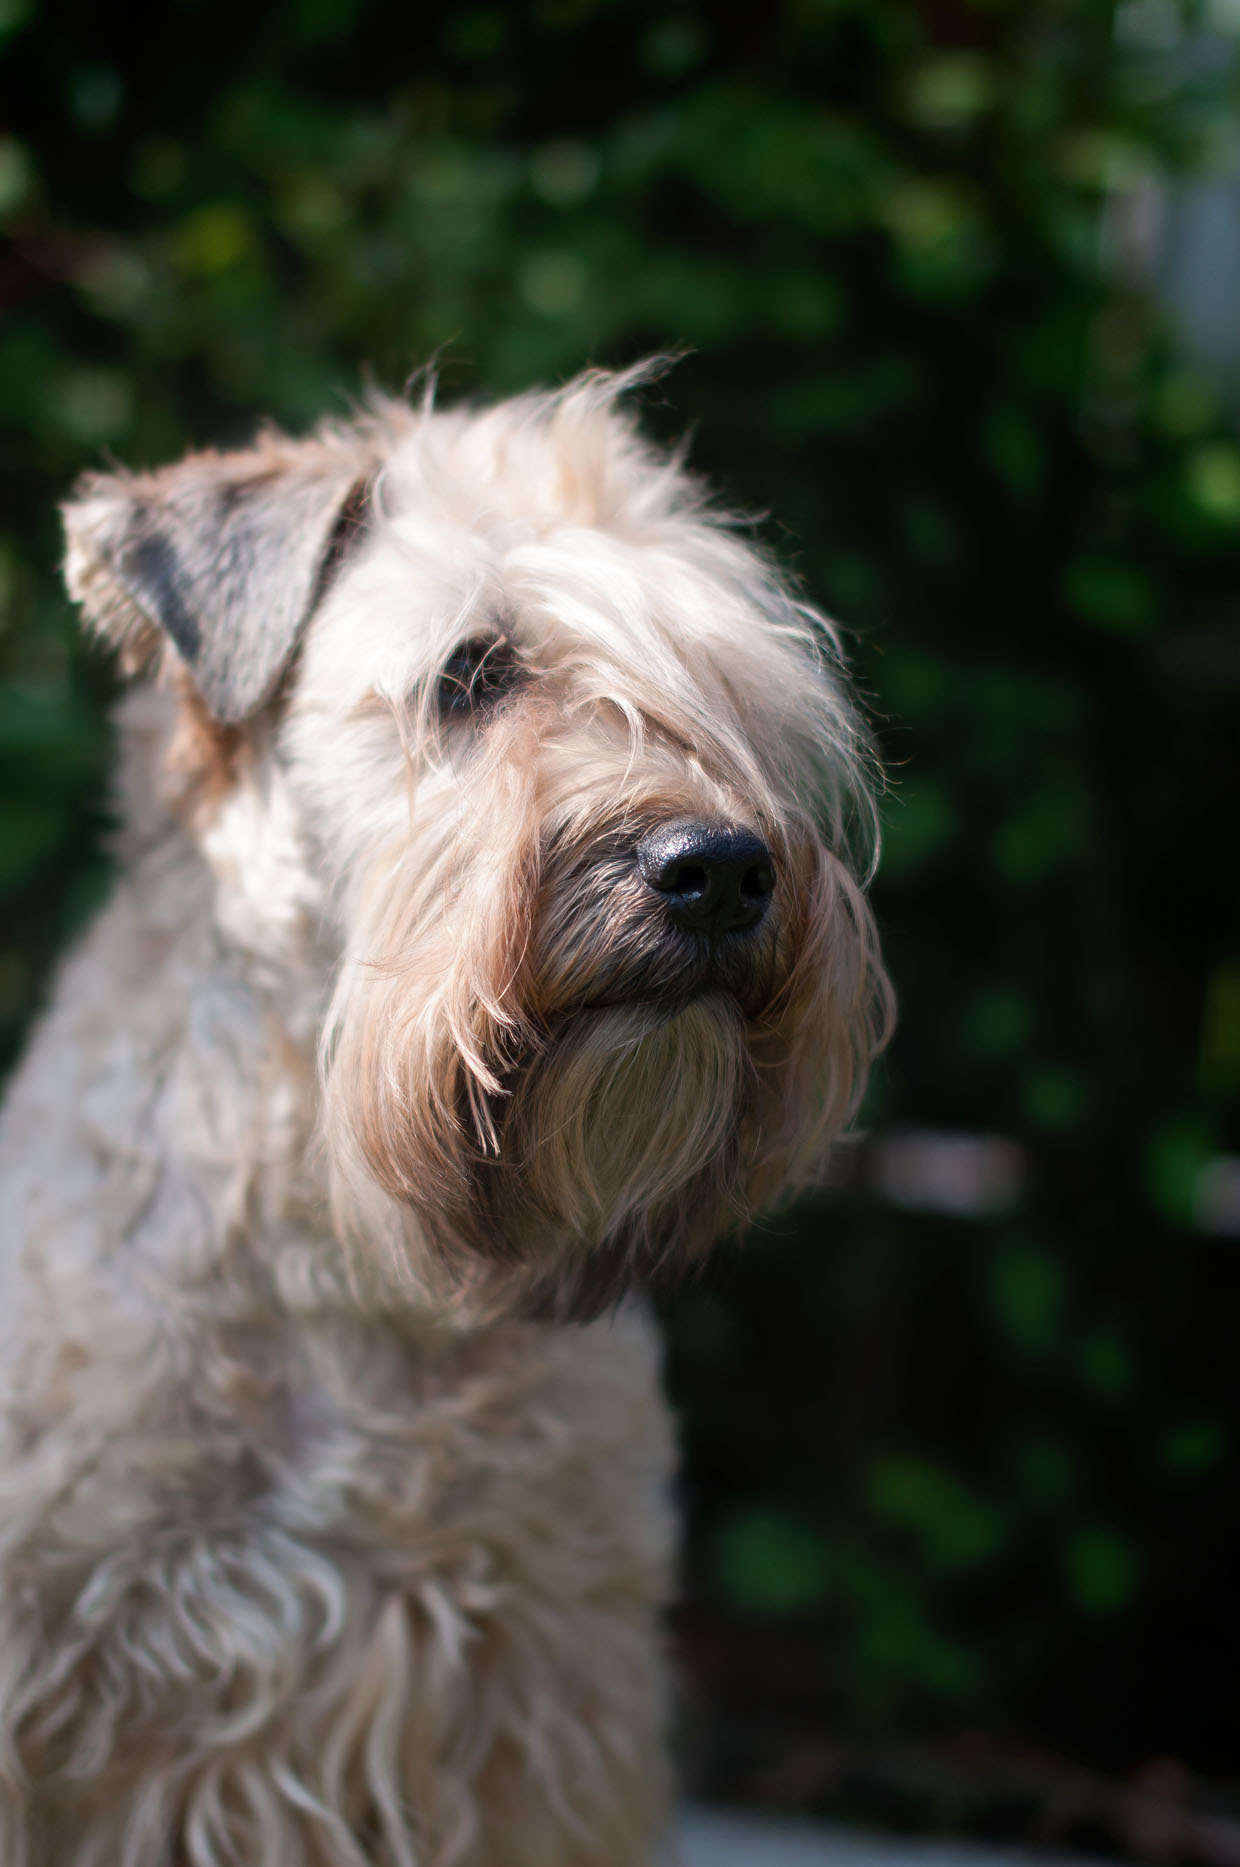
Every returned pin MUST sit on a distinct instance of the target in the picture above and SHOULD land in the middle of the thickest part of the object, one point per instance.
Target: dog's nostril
(715, 878)
(758, 884)
(683, 878)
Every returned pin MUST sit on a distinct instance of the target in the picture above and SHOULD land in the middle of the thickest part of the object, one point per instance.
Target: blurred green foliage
(985, 1469)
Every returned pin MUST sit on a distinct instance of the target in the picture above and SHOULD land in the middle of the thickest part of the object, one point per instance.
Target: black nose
(715, 878)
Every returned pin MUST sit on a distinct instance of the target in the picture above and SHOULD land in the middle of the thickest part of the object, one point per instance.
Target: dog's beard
(611, 1151)
(622, 1147)
(529, 1124)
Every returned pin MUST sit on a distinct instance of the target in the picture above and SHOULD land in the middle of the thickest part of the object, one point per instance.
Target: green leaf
(1192, 1447)
(1028, 1295)
(1056, 1098)
(920, 825)
(763, 1561)
(1105, 1363)
(1114, 596)
(1173, 1159)
(1212, 480)
(1102, 1570)
(952, 1527)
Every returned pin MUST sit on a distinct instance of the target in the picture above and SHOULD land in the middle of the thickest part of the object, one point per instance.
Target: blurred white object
(717, 1838)
(935, 1170)
(1216, 1196)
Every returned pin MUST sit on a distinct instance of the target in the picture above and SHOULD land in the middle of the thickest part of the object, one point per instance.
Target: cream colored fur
(335, 1523)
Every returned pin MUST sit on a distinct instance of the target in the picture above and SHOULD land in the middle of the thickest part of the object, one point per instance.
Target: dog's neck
(225, 908)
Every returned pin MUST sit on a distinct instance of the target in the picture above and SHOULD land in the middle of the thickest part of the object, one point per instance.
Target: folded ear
(226, 555)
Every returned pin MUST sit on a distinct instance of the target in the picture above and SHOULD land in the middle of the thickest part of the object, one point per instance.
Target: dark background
(961, 1467)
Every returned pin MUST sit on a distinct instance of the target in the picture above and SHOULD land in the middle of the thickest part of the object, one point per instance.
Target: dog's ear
(225, 555)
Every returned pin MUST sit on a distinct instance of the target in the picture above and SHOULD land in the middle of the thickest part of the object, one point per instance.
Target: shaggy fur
(335, 1525)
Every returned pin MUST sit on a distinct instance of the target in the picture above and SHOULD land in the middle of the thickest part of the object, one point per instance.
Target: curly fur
(335, 1524)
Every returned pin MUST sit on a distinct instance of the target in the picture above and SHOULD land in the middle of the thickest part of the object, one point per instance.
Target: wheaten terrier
(487, 940)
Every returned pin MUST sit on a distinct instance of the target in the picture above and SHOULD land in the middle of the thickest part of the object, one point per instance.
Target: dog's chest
(382, 1439)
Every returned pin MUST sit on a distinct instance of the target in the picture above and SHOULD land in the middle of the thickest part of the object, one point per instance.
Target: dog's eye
(478, 675)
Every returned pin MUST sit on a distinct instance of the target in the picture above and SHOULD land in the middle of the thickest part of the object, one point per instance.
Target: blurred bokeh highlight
(958, 284)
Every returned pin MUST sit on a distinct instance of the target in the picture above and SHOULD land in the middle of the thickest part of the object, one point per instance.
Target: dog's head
(573, 781)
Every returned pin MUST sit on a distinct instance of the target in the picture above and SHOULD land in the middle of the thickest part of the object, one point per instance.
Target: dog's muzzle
(714, 878)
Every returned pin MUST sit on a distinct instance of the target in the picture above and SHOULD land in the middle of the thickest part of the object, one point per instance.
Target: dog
(490, 939)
